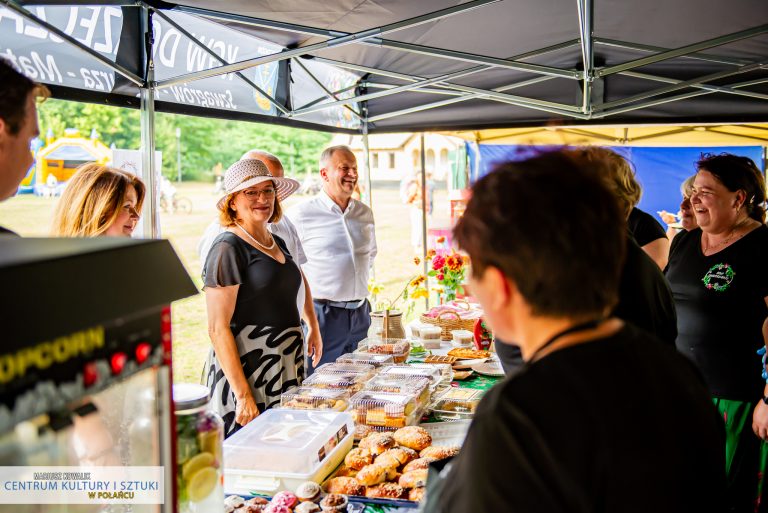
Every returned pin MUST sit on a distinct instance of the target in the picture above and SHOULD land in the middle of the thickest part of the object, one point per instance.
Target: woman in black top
(718, 279)
(251, 282)
(600, 418)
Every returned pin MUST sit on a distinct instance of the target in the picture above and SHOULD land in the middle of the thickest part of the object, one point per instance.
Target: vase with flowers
(386, 319)
(449, 271)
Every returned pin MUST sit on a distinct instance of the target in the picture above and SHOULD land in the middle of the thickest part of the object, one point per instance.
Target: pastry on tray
(416, 494)
(385, 491)
(418, 464)
(464, 353)
(377, 442)
(436, 358)
(440, 452)
(358, 458)
(345, 485)
(413, 479)
(413, 437)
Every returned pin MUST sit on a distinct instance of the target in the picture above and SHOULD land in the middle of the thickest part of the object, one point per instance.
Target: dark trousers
(341, 329)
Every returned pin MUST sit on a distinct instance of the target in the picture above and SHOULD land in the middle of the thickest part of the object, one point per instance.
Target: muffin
(307, 507)
(334, 503)
(308, 491)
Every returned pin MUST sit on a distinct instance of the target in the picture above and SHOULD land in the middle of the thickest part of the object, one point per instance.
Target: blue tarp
(660, 170)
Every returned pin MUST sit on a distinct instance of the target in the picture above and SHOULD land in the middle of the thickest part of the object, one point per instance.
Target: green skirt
(745, 458)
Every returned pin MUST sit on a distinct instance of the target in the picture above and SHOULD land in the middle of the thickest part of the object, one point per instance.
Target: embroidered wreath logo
(719, 277)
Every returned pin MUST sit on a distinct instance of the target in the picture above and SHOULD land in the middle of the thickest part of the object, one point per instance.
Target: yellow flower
(431, 253)
(419, 293)
(418, 281)
(416, 260)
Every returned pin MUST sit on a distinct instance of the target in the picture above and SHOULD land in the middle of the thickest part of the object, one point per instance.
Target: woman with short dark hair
(720, 285)
(600, 417)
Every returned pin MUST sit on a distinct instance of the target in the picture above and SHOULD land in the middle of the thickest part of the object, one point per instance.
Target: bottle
(199, 442)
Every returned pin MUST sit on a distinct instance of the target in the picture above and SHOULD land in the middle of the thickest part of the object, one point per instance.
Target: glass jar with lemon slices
(199, 439)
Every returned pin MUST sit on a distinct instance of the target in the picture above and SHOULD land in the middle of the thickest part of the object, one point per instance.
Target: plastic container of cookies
(429, 371)
(462, 338)
(445, 369)
(355, 368)
(349, 381)
(384, 410)
(398, 348)
(306, 398)
(414, 385)
(430, 332)
(282, 448)
(377, 360)
(456, 404)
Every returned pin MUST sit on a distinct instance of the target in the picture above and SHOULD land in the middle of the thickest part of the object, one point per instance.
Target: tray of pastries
(431, 372)
(362, 368)
(465, 353)
(446, 371)
(456, 404)
(438, 358)
(398, 348)
(307, 398)
(389, 465)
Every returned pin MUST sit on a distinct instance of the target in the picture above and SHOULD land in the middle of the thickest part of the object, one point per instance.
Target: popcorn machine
(85, 376)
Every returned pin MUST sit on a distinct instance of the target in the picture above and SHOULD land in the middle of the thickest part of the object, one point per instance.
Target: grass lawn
(31, 216)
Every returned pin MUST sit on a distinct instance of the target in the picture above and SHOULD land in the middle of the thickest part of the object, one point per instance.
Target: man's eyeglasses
(268, 193)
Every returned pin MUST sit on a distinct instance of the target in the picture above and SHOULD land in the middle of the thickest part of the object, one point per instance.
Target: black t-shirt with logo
(720, 301)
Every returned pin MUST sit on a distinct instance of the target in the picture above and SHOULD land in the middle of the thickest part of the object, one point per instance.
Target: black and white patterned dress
(265, 323)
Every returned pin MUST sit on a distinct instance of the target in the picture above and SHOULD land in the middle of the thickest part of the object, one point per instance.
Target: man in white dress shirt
(338, 236)
(286, 231)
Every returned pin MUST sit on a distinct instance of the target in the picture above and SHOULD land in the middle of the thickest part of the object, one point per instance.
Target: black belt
(348, 305)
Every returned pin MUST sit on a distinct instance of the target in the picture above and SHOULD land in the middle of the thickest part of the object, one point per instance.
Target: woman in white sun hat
(251, 282)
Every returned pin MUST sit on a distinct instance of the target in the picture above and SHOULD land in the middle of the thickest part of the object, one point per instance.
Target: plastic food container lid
(377, 360)
(356, 367)
(187, 396)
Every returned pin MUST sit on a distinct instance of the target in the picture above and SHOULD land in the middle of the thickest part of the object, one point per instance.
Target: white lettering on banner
(34, 30)
(166, 55)
(90, 24)
(106, 46)
(198, 59)
(34, 67)
(96, 79)
(185, 94)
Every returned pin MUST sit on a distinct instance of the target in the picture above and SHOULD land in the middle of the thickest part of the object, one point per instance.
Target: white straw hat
(249, 172)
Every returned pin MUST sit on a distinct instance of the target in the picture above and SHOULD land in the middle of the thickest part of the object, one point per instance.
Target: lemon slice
(195, 463)
(209, 442)
(202, 483)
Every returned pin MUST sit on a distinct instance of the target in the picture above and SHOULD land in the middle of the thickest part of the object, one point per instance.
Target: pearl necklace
(268, 248)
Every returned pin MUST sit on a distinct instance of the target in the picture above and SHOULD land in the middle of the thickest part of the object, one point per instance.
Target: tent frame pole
(331, 43)
(585, 8)
(684, 50)
(15, 7)
(717, 59)
(328, 92)
(424, 218)
(711, 88)
(147, 93)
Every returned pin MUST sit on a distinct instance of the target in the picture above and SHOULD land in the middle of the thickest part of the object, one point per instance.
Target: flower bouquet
(449, 271)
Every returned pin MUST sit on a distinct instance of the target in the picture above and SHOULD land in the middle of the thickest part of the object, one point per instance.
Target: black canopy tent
(399, 65)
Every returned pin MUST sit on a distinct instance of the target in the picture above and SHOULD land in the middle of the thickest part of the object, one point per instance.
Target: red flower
(454, 262)
(438, 262)
(440, 277)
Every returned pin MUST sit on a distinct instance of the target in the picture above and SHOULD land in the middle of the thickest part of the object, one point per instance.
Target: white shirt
(339, 246)
(284, 229)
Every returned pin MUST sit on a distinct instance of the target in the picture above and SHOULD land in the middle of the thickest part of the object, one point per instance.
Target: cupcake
(334, 503)
(308, 491)
(307, 507)
(286, 499)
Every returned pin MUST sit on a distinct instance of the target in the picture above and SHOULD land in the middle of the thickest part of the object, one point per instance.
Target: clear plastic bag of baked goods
(377, 360)
(306, 398)
(336, 380)
(384, 410)
(397, 384)
(431, 372)
(356, 368)
(396, 347)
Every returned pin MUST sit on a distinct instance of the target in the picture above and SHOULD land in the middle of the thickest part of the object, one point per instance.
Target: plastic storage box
(336, 380)
(456, 404)
(281, 448)
(306, 398)
(377, 360)
(402, 385)
(398, 348)
(431, 372)
(384, 410)
(445, 369)
(364, 369)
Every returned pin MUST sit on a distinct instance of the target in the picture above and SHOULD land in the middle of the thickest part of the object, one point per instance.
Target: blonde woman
(99, 200)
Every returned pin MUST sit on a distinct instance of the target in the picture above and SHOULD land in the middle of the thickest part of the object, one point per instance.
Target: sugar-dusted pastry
(440, 452)
(397, 457)
(345, 485)
(413, 437)
(385, 491)
(413, 479)
(377, 442)
(345, 471)
(358, 458)
(418, 464)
